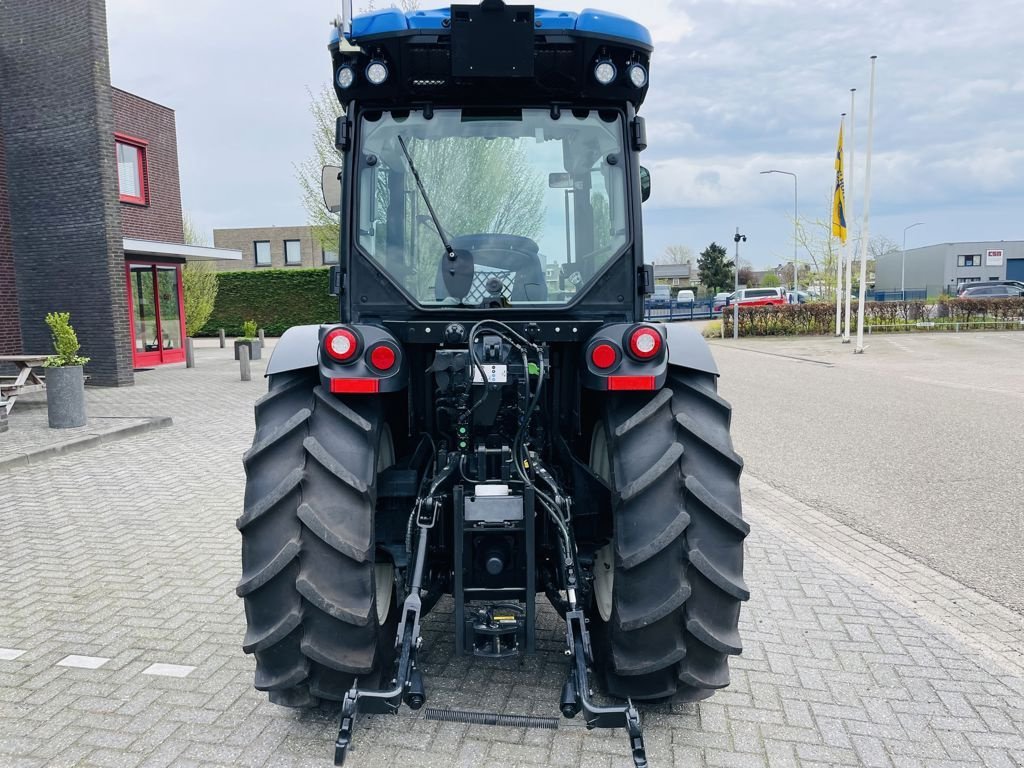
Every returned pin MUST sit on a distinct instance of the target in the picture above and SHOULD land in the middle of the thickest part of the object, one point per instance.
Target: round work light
(346, 76)
(637, 75)
(377, 72)
(604, 72)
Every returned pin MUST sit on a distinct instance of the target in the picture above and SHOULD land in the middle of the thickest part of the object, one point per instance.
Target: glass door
(154, 296)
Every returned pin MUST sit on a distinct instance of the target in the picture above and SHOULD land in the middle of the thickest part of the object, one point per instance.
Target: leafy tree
(770, 280)
(675, 254)
(714, 271)
(199, 286)
(193, 235)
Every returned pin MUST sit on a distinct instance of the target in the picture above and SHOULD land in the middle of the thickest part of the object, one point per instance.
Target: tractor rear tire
(669, 586)
(319, 607)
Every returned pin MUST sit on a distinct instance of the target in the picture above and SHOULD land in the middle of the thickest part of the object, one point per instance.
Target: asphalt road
(919, 442)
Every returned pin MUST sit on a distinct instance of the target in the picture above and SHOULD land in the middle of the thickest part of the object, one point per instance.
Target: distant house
(278, 247)
(676, 276)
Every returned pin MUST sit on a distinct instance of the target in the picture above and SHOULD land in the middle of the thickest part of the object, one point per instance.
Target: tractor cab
(490, 164)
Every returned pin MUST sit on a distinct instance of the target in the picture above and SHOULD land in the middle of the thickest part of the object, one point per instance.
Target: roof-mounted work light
(604, 72)
(346, 76)
(637, 75)
(377, 72)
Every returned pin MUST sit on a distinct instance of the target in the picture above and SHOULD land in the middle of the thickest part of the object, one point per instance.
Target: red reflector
(630, 382)
(355, 386)
(603, 356)
(382, 357)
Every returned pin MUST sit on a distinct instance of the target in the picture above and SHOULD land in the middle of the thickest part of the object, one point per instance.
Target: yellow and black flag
(839, 196)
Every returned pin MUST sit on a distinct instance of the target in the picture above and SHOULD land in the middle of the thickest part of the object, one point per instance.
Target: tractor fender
(298, 348)
(688, 349)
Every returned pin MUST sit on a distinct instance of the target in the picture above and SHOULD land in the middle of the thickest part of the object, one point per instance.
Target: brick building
(273, 247)
(90, 205)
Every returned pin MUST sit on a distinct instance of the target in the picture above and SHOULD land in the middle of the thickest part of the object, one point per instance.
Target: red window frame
(141, 145)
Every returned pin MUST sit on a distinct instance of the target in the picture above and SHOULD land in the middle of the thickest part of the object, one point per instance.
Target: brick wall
(160, 217)
(10, 327)
(58, 128)
(243, 240)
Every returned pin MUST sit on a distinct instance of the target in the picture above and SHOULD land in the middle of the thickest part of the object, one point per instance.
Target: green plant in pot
(65, 382)
(248, 339)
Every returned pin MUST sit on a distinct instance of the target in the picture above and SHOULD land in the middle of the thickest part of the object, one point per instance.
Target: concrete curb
(83, 442)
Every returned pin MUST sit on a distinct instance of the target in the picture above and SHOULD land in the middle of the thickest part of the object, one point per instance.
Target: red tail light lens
(645, 343)
(603, 356)
(341, 344)
(383, 357)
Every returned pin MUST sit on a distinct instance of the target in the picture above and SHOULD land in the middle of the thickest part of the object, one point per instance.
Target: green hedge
(276, 299)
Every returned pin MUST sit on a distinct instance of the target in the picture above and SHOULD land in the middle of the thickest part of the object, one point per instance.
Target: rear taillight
(383, 357)
(341, 344)
(603, 356)
(644, 343)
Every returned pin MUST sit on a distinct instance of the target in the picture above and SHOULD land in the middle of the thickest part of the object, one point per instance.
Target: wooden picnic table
(27, 380)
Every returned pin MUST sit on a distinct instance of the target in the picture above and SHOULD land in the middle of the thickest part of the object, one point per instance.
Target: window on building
(969, 260)
(330, 257)
(262, 248)
(292, 253)
(131, 170)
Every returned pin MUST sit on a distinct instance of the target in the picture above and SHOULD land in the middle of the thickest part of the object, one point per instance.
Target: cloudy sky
(737, 86)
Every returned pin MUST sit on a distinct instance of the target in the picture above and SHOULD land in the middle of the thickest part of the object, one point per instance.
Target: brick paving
(854, 654)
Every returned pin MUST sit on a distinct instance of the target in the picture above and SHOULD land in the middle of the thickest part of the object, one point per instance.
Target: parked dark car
(964, 287)
(989, 291)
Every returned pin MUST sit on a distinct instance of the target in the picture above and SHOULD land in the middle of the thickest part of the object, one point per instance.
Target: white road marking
(10, 654)
(82, 662)
(168, 670)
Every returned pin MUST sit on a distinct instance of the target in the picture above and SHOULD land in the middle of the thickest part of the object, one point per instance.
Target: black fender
(688, 349)
(298, 348)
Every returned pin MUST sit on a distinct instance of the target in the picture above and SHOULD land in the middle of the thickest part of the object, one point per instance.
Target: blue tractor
(490, 419)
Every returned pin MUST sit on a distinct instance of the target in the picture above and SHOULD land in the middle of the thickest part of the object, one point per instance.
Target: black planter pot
(254, 348)
(65, 397)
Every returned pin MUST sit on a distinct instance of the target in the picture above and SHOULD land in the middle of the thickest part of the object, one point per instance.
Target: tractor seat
(509, 258)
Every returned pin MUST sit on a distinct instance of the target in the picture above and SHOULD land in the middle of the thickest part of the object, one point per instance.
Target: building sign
(994, 258)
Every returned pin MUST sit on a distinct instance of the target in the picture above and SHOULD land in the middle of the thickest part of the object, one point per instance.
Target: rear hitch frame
(407, 684)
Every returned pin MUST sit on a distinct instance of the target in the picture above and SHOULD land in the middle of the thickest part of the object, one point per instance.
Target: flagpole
(851, 226)
(865, 235)
(842, 246)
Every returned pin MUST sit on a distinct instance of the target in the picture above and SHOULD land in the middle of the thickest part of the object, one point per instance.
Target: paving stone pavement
(854, 654)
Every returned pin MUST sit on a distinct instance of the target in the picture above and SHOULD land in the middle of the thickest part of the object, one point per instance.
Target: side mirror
(559, 181)
(645, 184)
(330, 185)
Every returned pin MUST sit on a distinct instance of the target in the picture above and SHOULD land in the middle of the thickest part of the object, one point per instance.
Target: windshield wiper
(458, 272)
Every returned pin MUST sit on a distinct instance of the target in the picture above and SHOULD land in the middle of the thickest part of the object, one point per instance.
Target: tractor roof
(491, 54)
(594, 22)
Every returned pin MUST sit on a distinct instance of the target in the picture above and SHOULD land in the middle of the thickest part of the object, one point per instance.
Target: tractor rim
(604, 558)
(384, 572)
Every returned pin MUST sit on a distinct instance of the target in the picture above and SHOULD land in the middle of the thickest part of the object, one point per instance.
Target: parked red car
(757, 297)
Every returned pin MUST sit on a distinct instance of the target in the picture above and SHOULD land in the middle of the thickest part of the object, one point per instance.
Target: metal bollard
(243, 362)
(220, 333)
(190, 354)
(260, 334)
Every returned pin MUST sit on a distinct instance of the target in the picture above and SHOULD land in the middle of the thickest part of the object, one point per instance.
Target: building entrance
(155, 300)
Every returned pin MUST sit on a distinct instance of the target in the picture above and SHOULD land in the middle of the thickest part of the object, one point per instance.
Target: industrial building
(943, 267)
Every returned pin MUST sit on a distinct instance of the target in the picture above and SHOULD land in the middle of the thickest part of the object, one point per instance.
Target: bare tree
(675, 254)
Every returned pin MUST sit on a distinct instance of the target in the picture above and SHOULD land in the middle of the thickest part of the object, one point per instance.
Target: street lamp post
(796, 281)
(903, 257)
(736, 284)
